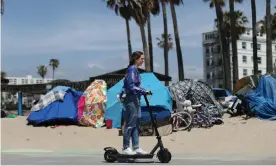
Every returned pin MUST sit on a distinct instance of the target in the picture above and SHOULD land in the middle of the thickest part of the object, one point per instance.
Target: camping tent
(263, 98)
(199, 93)
(161, 97)
(58, 112)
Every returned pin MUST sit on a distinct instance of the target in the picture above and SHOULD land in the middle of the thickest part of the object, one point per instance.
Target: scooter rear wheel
(164, 156)
(108, 157)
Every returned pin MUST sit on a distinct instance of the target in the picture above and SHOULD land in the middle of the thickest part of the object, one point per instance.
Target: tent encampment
(58, 112)
(161, 97)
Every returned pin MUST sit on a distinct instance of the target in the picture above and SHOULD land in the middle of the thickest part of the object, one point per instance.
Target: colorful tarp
(92, 104)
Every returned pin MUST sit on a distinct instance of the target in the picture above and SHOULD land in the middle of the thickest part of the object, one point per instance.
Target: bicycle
(181, 120)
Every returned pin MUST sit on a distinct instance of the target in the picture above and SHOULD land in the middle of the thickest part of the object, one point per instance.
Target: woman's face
(140, 61)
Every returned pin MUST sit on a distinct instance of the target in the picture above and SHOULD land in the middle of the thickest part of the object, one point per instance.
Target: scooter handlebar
(146, 99)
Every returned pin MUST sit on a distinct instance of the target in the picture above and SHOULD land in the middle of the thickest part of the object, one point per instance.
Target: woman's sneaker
(128, 151)
(140, 151)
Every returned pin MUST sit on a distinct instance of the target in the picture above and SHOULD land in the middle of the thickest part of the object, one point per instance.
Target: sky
(89, 39)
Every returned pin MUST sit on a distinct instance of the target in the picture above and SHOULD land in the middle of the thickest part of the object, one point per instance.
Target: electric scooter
(163, 155)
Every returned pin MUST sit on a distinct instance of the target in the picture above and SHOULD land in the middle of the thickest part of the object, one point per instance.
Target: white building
(27, 99)
(27, 80)
(212, 56)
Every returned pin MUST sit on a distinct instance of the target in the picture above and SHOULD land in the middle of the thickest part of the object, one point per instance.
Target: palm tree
(166, 44)
(240, 22)
(54, 63)
(2, 7)
(255, 53)
(161, 44)
(42, 70)
(234, 40)
(269, 59)
(275, 66)
(154, 9)
(124, 12)
(273, 25)
(218, 4)
(139, 10)
(3, 75)
(174, 3)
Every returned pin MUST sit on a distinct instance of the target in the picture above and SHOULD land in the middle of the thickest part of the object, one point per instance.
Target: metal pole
(19, 96)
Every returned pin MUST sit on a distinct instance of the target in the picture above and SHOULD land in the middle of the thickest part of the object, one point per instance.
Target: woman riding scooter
(133, 93)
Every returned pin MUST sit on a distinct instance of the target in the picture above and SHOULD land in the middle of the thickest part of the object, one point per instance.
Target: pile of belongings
(258, 95)
(92, 104)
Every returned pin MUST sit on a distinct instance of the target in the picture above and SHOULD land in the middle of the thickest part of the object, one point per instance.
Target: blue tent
(161, 97)
(58, 112)
(263, 98)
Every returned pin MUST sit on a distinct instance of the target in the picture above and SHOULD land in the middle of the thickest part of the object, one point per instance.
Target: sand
(251, 137)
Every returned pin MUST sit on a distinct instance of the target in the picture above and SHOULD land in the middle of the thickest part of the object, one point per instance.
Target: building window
(208, 76)
(258, 46)
(244, 59)
(244, 72)
(207, 63)
(219, 48)
(244, 45)
(260, 60)
(207, 51)
(275, 48)
(219, 62)
(211, 62)
(248, 32)
(260, 71)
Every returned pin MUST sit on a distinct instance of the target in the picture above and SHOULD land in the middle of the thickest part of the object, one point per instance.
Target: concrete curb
(25, 151)
(90, 151)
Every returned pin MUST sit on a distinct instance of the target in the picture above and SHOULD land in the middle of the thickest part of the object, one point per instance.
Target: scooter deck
(135, 156)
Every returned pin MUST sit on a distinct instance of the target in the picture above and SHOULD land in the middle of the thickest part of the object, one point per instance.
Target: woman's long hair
(135, 55)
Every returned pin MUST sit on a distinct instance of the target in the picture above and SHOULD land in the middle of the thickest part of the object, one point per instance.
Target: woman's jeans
(132, 117)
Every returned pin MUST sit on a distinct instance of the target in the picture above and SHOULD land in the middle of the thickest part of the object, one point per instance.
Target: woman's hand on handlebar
(148, 92)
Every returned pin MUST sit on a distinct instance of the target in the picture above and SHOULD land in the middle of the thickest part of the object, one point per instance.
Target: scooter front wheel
(164, 156)
(108, 156)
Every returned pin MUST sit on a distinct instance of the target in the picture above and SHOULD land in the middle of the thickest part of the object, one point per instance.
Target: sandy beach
(251, 137)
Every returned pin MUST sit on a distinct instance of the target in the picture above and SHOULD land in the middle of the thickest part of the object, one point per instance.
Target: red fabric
(81, 106)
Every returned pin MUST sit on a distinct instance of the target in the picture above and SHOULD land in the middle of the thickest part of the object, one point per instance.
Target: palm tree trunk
(234, 43)
(269, 60)
(145, 48)
(177, 43)
(53, 73)
(166, 49)
(128, 39)
(255, 53)
(150, 44)
(2, 7)
(225, 57)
